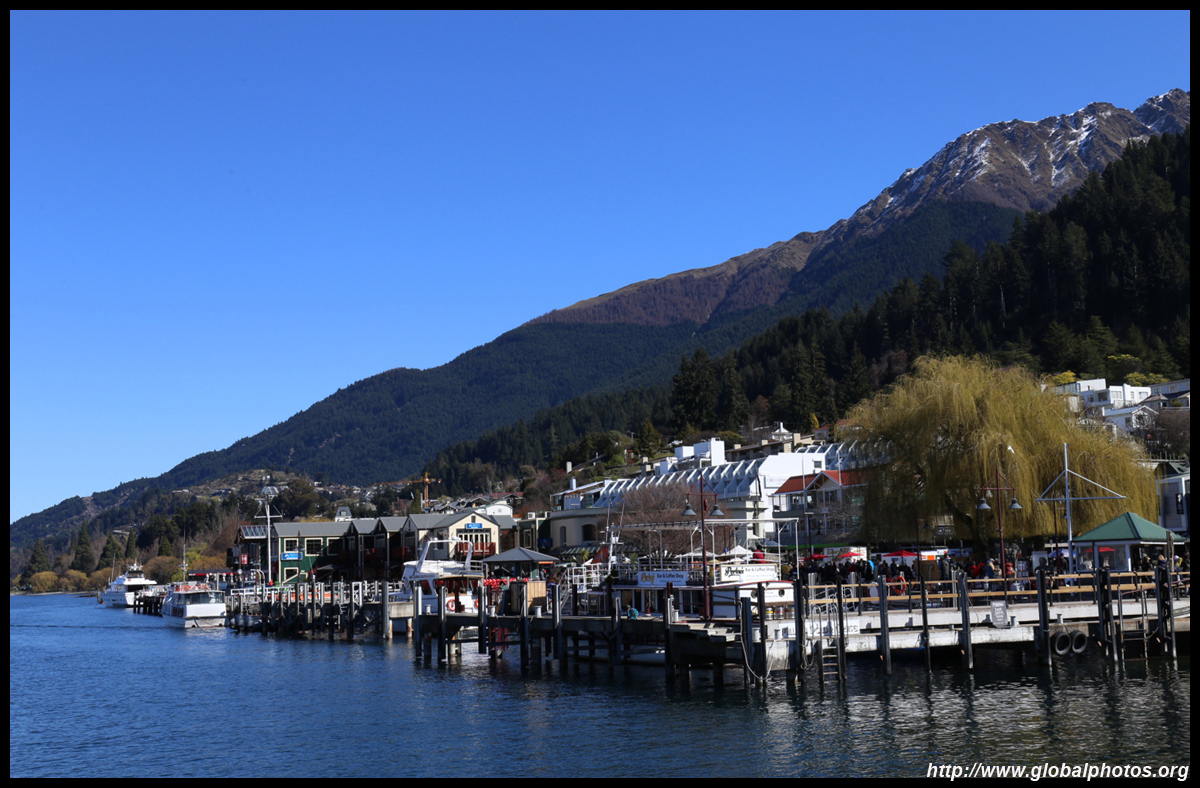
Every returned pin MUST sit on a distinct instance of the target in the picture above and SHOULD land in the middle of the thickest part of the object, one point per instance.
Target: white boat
(192, 605)
(444, 563)
(122, 591)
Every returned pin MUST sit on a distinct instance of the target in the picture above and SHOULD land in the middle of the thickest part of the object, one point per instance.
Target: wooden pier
(336, 610)
(1049, 618)
(810, 631)
(149, 604)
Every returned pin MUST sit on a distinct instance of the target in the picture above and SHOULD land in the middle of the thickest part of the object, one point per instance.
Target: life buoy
(1061, 643)
(1079, 642)
(454, 606)
(901, 587)
(476, 604)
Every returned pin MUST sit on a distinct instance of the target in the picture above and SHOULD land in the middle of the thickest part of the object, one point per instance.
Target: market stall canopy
(521, 555)
(900, 554)
(1127, 527)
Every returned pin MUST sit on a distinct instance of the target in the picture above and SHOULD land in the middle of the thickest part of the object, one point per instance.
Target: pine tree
(856, 385)
(693, 392)
(649, 440)
(83, 552)
(733, 408)
(38, 562)
(112, 552)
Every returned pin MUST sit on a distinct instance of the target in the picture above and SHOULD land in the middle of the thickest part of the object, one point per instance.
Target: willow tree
(940, 433)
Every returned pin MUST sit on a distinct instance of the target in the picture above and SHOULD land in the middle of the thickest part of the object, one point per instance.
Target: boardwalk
(757, 628)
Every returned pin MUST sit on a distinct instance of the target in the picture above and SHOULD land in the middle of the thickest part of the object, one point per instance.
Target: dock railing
(858, 596)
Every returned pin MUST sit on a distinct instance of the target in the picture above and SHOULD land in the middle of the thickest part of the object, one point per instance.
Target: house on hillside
(821, 503)
(1132, 418)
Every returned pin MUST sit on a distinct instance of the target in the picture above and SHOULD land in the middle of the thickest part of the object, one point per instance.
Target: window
(476, 538)
(291, 545)
(562, 535)
(312, 546)
(289, 573)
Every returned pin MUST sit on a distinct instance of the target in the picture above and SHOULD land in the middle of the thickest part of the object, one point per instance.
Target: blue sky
(217, 220)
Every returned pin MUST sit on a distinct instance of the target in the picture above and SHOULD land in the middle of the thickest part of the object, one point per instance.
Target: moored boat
(192, 605)
(126, 588)
(443, 563)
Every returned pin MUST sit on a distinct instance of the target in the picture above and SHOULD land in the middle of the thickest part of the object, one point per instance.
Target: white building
(1110, 397)
(744, 488)
(1175, 496)
(1119, 406)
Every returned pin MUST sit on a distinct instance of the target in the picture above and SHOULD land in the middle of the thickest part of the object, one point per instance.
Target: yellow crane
(425, 479)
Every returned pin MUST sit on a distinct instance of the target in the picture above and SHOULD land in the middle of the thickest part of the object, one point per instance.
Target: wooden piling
(925, 627)
(965, 604)
(556, 607)
(1120, 633)
(441, 633)
(668, 636)
(747, 635)
(762, 630)
(1043, 594)
(617, 653)
(418, 640)
(841, 641)
(884, 642)
(524, 625)
(798, 601)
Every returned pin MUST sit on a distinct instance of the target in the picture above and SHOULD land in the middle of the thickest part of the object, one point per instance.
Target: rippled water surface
(96, 692)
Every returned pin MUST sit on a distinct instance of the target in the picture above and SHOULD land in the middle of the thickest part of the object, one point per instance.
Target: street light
(1012, 507)
(715, 511)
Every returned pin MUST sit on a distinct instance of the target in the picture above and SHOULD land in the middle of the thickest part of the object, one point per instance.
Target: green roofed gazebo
(1114, 543)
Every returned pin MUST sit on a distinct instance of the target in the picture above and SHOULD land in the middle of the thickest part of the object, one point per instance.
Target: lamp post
(1012, 507)
(715, 511)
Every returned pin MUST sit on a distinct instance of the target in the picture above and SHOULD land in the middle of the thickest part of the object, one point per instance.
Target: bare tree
(649, 505)
(664, 504)
(1167, 434)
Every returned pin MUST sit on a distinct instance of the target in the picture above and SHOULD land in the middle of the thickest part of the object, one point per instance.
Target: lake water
(96, 692)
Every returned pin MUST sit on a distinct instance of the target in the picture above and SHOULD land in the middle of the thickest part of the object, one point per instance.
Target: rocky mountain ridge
(1013, 164)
